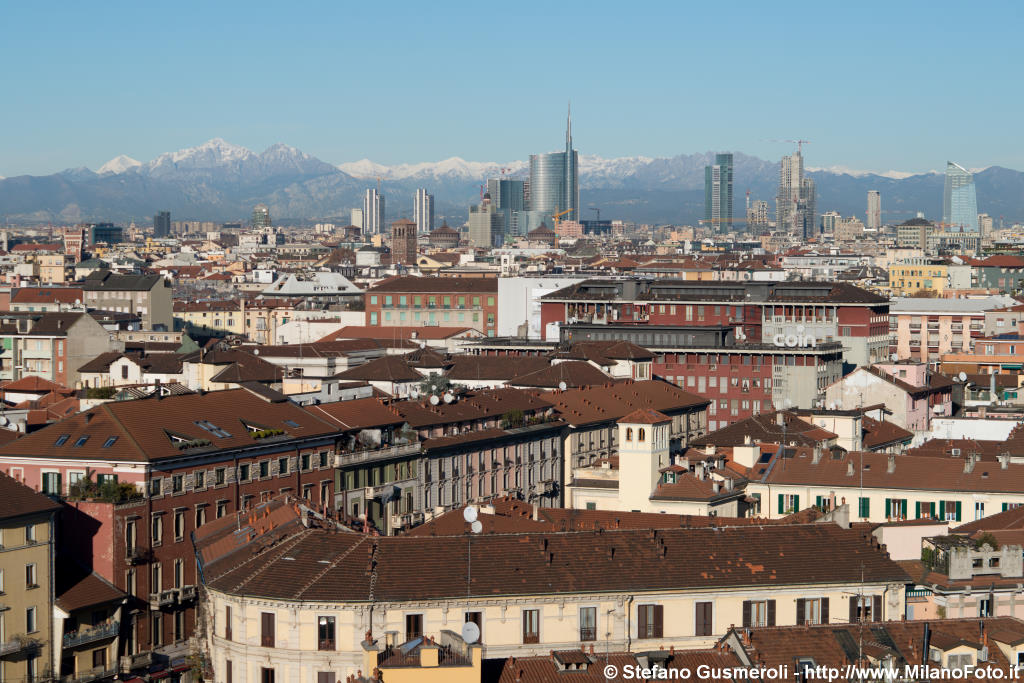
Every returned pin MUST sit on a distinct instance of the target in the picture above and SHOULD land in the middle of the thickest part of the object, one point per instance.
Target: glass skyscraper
(959, 200)
(718, 192)
(554, 184)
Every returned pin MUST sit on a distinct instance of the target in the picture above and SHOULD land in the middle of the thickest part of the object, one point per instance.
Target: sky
(873, 85)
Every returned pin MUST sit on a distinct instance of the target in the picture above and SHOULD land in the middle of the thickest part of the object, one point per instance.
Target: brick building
(403, 242)
(443, 301)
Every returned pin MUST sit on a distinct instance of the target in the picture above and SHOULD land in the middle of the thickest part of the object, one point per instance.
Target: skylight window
(81, 440)
(110, 441)
(62, 439)
(213, 429)
(291, 423)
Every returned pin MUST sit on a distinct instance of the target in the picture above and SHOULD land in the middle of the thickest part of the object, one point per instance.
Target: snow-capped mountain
(453, 168)
(118, 164)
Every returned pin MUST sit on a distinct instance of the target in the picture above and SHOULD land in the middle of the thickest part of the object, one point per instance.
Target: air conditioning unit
(955, 452)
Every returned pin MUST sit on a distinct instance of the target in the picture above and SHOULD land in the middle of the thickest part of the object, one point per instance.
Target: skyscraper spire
(568, 130)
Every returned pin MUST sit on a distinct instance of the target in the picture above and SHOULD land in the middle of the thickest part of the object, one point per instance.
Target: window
(323, 459)
(157, 631)
(243, 472)
(629, 433)
(111, 440)
(650, 621)
(62, 439)
(267, 629)
(51, 483)
(895, 508)
(865, 608)
(227, 622)
(864, 507)
(531, 626)
(588, 623)
(179, 525)
(155, 578)
(641, 434)
(811, 611)
(179, 625)
(758, 613)
(282, 466)
(155, 486)
(158, 529)
(478, 619)
(177, 484)
(325, 677)
(30, 620)
(413, 626)
(325, 633)
(30, 533)
(704, 619)
(985, 607)
(30, 576)
(219, 477)
(264, 469)
(304, 461)
(591, 506)
(228, 672)
(99, 658)
(130, 537)
(81, 441)
(222, 508)
(179, 573)
(266, 675)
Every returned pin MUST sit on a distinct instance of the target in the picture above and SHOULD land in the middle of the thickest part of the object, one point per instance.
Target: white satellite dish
(470, 513)
(563, 386)
(448, 398)
(470, 633)
(434, 400)
(3, 419)
(476, 527)
(962, 376)
(413, 394)
(893, 357)
(423, 345)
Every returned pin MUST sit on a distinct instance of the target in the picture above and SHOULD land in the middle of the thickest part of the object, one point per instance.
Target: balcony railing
(163, 599)
(588, 633)
(91, 634)
(326, 645)
(187, 593)
(17, 644)
(373, 454)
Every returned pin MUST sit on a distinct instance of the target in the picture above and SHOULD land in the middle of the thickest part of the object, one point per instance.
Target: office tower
(959, 200)
(373, 212)
(795, 202)
(806, 206)
(261, 216)
(757, 217)
(356, 218)
(718, 192)
(403, 242)
(874, 210)
(509, 199)
(985, 224)
(423, 211)
(829, 220)
(554, 185)
(486, 225)
(162, 224)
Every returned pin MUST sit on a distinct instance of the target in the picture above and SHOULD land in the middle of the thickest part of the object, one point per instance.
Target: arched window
(629, 433)
(640, 435)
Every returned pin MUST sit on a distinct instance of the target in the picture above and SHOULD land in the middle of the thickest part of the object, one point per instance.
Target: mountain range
(220, 181)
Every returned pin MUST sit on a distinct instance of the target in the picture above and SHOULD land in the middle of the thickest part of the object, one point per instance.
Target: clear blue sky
(874, 85)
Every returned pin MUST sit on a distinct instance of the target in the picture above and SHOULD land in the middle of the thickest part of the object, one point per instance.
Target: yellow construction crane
(557, 215)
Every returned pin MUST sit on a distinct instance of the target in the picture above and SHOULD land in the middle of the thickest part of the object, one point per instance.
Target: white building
(519, 303)
(423, 211)
(874, 210)
(373, 212)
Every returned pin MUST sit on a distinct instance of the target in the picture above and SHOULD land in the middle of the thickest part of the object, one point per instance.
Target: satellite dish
(3, 419)
(434, 400)
(962, 376)
(423, 345)
(470, 513)
(476, 527)
(255, 352)
(893, 357)
(448, 398)
(413, 394)
(563, 386)
(470, 632)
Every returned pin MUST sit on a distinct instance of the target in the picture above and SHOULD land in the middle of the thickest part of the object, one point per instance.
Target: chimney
(1004, 460)
(890, 466)
(969, 463)
(816, 456)
(849, 468)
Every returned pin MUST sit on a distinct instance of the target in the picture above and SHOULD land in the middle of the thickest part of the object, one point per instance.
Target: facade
(509, 198)
(795, 203)
(148, 296)
(373, 212)
(403, 243)
(847, 230)
(925, 329)
(758, 311)
(757, 217)
(917, 275)
(301, 610)
(874, 221)
(718, 192)
(486, 225)
(162, 224)
(27, 567)
(959, 199)
(261, 217)
(423, 211)
(443, 301)
(911, 393)
(192, 459)
(52, 346)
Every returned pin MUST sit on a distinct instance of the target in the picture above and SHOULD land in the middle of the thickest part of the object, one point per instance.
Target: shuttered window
(267, 629)
(650, 621)
(704, 619)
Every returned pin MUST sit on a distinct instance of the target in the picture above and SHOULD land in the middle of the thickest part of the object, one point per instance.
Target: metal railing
(90, 634)
(372, 454)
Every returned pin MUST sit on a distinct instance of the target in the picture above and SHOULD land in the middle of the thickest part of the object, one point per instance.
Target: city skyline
(106, 122)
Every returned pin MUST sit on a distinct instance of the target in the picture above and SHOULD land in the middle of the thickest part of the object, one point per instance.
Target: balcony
(18, 644)
(162, 599)
(588, 633)
(376, 454)
(91, 634)
(143, 660)
(188, 593)
(94, 674)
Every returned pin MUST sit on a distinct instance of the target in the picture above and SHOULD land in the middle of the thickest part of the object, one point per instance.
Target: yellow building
(27, 583)
(915, 275)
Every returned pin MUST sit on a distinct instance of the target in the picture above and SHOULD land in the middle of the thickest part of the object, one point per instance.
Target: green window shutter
(932, 509)
(958, 511)
(817, 502)
(888, 508)
(782, 502)
(1004, 507)
(796, 503)
(917, 509)
(865, 507)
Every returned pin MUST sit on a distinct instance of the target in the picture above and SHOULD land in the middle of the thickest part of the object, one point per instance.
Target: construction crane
(799, 144)
(557, 215)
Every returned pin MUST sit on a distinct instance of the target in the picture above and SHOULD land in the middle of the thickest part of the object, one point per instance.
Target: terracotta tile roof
(611, 402)
(471, 406)
(78, 588)
(468, 367)
(582, 667)
(646, 416)
(876, 434)
(429, 285)
(936, 382)
(383, 369)
(765, 428)
(689, 487)
(374, 332)
(345, 567)
(46, 295)
(607, 352)
(150, 429)
(573, 374)
(17, 500)
(1007, 519)
(32, 384)
(360, 413)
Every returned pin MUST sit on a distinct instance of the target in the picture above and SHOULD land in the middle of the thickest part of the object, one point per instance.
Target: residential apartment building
(925, 328)
(444, 301)
(304, 607)
(913, 276)
(148, 296)
(758, 311)
(50, 345)
(46, 299)
(192, 459)
(27, 570)
(911, 392)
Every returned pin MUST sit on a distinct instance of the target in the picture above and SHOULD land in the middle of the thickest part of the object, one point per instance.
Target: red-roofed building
(46, 299)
